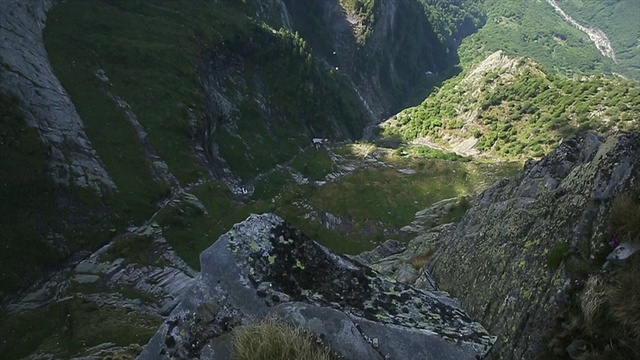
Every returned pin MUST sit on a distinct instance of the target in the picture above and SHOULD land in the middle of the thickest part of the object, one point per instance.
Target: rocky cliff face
(263, 266)
(25, 71)
(497, 259)
(377, 55)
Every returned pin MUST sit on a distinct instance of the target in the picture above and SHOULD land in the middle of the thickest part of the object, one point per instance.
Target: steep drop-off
(391, 51)
(523, 252)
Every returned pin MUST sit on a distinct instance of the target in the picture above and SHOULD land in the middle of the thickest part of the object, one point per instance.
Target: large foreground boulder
(264, 267)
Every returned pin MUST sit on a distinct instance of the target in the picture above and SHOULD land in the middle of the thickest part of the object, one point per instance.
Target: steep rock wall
(25, 71)
(397, 54)
(267, 92)
(497, 261)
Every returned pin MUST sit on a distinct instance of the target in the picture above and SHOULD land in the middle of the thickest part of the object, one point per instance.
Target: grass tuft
(557, 254)
(419, 261)
(594, 298)
(611, 308)
(624, 217)
(270, 339)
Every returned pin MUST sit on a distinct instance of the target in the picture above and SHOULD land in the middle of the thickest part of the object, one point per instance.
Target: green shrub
(557, 254)
(271, 339)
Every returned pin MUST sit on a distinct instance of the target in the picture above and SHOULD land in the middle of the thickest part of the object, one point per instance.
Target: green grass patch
(272, 185)
(314, 164)
(135, 249)
(27, 199)
(373, 200)
(557, 254)
(389, 196)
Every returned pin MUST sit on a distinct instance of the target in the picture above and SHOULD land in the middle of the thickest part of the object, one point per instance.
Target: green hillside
(620, 20)
(161, 48)
(533, 28)
(514, 108)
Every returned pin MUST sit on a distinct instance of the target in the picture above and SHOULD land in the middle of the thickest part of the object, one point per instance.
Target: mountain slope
(534, 29)
(528, 257)
(136, 73)
(392, 51)
(513, 108)
(619, 19)
(191, 95)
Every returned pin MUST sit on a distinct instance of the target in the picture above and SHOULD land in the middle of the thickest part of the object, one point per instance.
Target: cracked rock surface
(496, 259)
(264, 266)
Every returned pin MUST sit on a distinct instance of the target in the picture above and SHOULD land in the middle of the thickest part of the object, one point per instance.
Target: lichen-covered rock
(497, 259)
(430, 216)
(263, 266)
(407, 266)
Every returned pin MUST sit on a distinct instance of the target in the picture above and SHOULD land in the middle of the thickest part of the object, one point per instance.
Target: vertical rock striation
(25, 70)
(497, 263)
(497, 260)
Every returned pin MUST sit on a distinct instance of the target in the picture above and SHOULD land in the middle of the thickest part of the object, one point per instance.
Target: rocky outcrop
(138, 271)
(25, 71)
(496, 260)
(263, 267)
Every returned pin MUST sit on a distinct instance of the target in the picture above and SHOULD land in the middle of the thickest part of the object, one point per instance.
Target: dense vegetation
(620, 20)
(534, 29)
(453, 20)
(516, 109)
